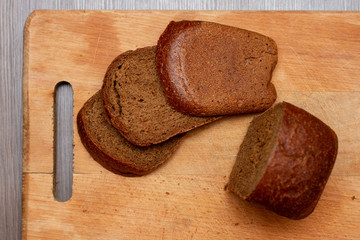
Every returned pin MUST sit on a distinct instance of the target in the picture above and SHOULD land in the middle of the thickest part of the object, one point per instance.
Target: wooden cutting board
(318, 70)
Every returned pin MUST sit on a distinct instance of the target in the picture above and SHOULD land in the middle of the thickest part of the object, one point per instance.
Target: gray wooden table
(12, 19)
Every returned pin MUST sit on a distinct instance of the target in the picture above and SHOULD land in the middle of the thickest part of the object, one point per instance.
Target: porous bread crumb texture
(298, 166)
(136, 104)
(210, 69)
(111, 149)
(255, 151)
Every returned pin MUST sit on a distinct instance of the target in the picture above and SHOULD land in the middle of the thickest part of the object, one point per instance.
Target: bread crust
(103, 159)
(299, 166)
(110, 111)
(182, 123)
(209, 69)
(115, 165)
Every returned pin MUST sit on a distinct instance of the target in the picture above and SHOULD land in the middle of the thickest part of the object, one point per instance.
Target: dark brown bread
(111, 150)
(285, 161)
(209, 69)
(136, 104)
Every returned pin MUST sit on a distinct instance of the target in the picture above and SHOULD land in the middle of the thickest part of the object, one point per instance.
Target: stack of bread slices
(197, 73)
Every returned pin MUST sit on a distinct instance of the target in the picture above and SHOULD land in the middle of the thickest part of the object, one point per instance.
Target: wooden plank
(318, 70)
(177, 206)
(63, 141)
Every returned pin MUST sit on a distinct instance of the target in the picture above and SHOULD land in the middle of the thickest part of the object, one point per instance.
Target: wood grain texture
(12, 18)
(63, 143)
(185, 198)
(177, 206)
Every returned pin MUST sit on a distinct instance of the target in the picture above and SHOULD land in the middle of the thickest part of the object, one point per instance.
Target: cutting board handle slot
(63, 142)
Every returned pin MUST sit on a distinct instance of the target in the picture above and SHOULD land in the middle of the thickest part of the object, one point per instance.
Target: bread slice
(136, 104)
(114, 152)
(285, 161)
(209, 69)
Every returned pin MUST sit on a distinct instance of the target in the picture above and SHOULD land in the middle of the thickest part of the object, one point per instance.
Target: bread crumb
(353, 198)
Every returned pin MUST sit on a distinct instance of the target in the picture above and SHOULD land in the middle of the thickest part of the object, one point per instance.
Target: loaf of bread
(136, 104)
(113, 151)
(285, 161)
(209, 69)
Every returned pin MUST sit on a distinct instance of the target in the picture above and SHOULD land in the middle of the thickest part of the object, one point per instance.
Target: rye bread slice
(209, 69)
(285, 161)
(109, 148)
(136, 104)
